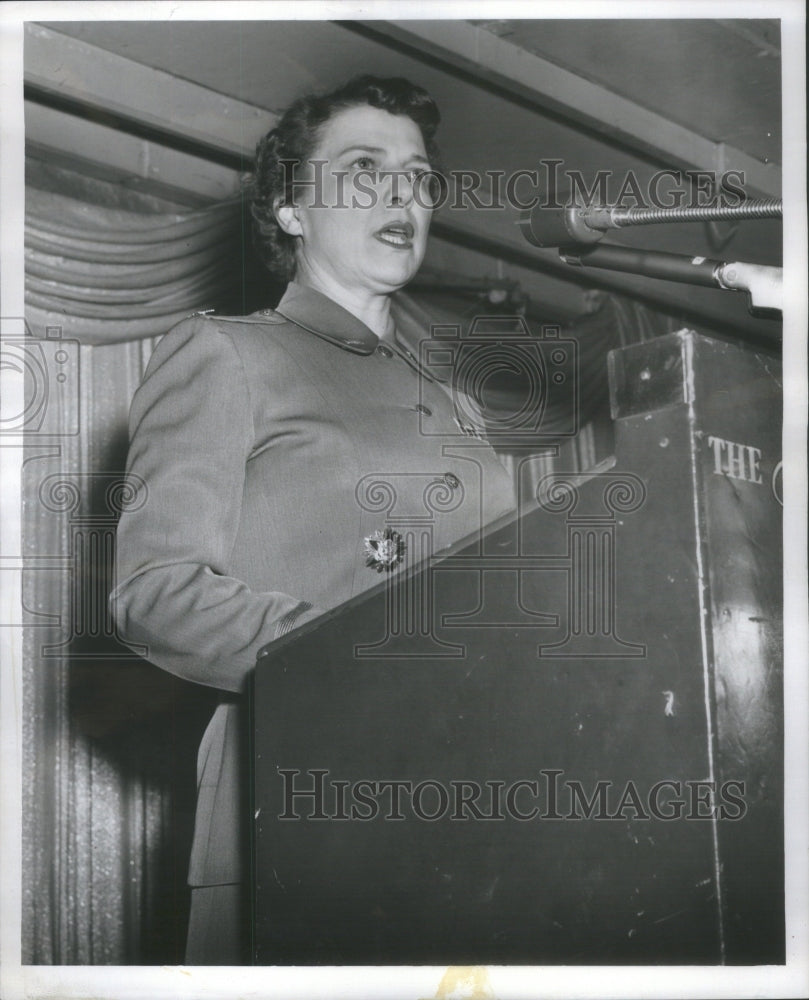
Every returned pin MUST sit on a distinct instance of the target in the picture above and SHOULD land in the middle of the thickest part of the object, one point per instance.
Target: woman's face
(361, 224)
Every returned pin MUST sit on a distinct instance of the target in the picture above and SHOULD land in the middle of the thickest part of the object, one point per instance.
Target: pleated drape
(107, 275)
(109, 741)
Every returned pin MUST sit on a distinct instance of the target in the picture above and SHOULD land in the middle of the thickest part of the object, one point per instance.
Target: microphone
(586, 224)
(559, 227)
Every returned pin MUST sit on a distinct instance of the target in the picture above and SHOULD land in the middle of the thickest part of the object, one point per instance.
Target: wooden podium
(561, 743)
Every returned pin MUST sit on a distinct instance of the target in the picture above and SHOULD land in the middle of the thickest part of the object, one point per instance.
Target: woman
(254, 434)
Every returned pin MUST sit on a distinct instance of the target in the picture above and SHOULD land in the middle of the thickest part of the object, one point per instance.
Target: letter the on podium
(582, 762)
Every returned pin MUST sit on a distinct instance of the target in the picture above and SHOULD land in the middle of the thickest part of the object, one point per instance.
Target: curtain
(109, 741)
(108, 275)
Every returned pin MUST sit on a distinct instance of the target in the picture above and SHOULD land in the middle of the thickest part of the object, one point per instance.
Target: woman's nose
(400, 189)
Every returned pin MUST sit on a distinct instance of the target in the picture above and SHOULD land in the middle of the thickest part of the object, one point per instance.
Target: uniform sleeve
(191, 432)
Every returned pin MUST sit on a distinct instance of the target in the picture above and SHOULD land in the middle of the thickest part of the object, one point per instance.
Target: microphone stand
(762, 284)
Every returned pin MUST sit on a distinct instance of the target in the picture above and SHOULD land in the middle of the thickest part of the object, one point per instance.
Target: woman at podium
(275, 446)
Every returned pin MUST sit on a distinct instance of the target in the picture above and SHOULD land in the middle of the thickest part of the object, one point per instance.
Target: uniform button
(423, 409)
(452, 480)
(385, 351)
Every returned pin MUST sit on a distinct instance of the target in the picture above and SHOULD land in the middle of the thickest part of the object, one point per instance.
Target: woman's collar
(320, 315)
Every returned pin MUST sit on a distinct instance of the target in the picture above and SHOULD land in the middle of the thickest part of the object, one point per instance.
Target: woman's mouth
(396, 234)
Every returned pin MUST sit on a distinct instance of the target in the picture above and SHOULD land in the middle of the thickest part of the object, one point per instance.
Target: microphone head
(557, 227)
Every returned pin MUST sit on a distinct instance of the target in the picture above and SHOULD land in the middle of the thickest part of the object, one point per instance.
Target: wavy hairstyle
(295, 138)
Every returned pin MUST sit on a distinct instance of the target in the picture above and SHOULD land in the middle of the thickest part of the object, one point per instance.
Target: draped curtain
(109, 741)
(108, 275)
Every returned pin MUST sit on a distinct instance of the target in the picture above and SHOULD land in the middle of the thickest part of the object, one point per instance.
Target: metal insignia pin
(384, 550)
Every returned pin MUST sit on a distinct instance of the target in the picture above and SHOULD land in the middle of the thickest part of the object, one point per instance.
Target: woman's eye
(363, 163)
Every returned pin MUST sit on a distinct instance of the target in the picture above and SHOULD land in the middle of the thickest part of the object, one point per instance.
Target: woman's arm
(191, 432)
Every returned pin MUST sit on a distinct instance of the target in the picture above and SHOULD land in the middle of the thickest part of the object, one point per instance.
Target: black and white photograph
(404, 500)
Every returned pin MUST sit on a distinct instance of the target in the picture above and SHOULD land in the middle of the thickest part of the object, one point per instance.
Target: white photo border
(791, 980)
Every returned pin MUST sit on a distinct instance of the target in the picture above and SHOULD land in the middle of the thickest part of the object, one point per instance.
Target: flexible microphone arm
(546, 226)
(617, 218)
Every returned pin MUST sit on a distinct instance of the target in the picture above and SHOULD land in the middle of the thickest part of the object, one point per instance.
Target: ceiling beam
(70, 70)
(484, 56)
(65, 140)
(756, 34)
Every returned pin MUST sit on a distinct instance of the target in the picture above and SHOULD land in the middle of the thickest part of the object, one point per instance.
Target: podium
(572, 752)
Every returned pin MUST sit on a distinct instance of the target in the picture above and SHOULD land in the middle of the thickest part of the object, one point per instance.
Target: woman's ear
(287, 216)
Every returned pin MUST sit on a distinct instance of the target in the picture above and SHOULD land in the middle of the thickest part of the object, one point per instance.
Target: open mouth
(396, 234)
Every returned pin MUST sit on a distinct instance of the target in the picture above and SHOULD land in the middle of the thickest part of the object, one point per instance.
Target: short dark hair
(295, 137)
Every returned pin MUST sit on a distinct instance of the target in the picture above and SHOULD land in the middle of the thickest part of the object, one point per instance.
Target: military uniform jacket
(259, 440)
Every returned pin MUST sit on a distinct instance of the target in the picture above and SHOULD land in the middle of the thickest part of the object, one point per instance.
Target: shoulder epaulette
(264, 316)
